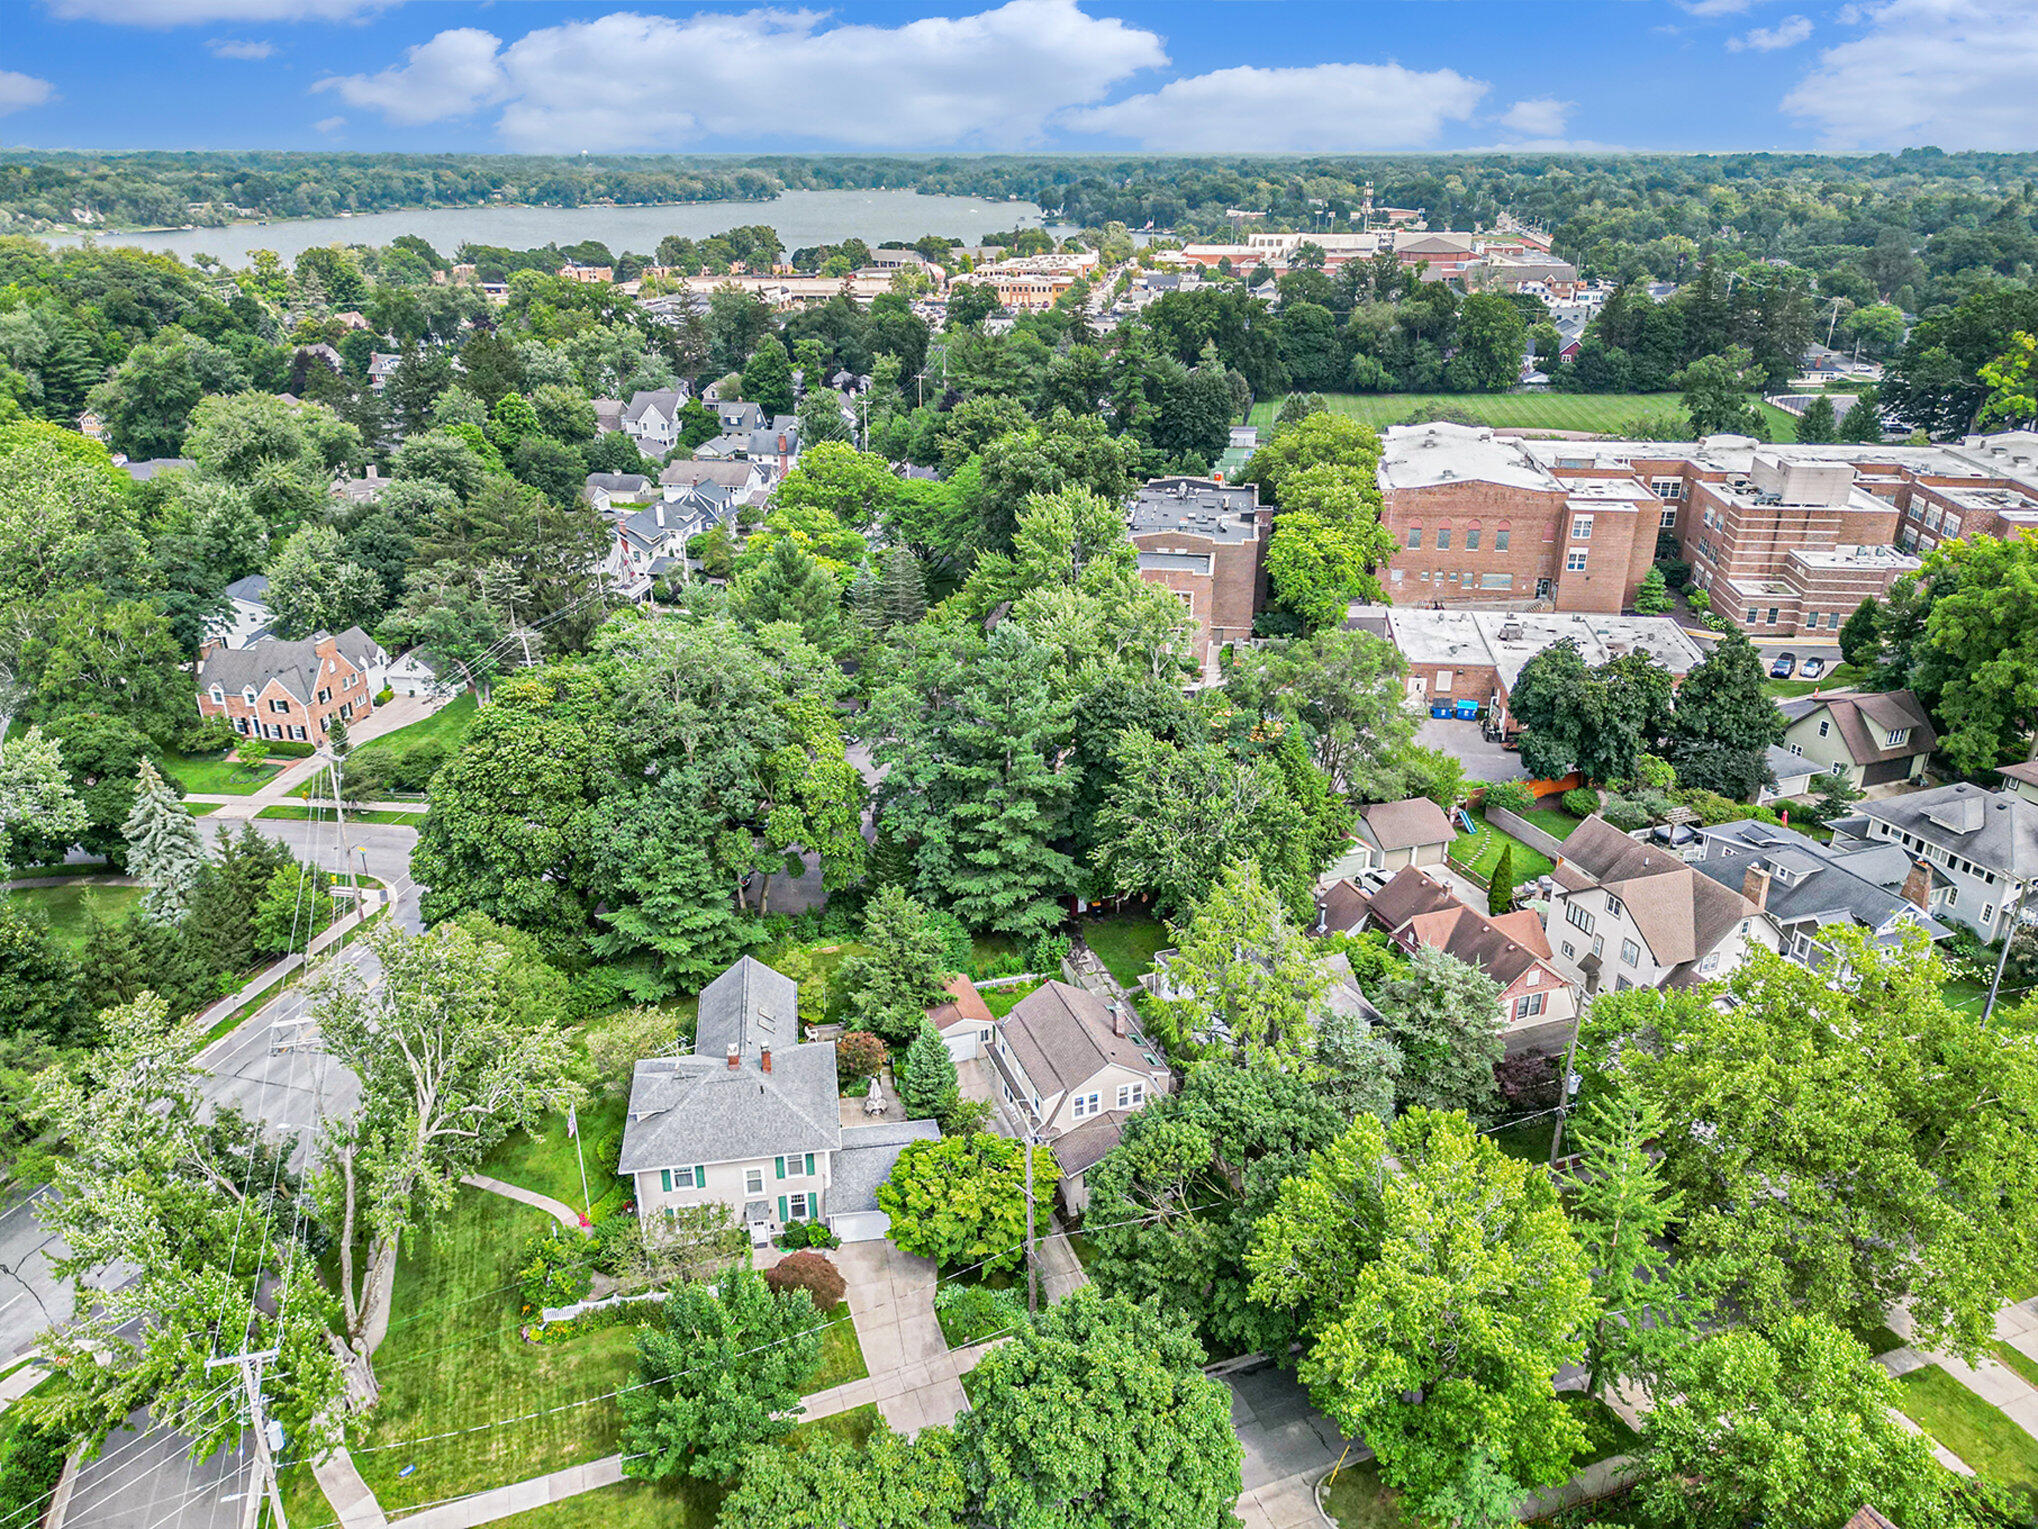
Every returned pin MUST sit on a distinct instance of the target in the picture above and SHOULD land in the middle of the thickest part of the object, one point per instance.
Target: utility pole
(1564, 1090)
(2011, 916)
(1032, 1279)
(265, 1461)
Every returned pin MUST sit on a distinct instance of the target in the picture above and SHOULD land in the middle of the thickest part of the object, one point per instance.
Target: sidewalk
(272, 977)
(564, 1214)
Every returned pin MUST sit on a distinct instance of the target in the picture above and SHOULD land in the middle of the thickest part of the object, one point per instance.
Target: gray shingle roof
(1815, 885)
(1062, 1036)
(1866, 719)
(294, 664)
(749, 1006)
(1991, 828)
(668, 401)
(698, 1109)
(254, 589)
(866, 1159)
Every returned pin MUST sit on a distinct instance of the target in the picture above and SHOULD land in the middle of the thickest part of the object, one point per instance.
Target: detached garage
(963, 1021)
(864, 1161)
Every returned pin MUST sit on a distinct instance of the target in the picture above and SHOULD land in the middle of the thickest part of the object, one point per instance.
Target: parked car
(1784, 667)
(1813, 668)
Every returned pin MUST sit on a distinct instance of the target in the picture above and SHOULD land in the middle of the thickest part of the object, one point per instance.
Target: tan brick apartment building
(291, 691)
(1478, 520)
(1783, 539)
(1207, 542)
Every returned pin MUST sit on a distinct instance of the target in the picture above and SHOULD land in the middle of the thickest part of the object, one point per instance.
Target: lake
(802, 218)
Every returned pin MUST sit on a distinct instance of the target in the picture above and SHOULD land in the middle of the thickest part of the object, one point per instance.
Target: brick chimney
(1117, 1017)
(1755, 886)
(1917, 887)
(735, 1058)
(764, 1060)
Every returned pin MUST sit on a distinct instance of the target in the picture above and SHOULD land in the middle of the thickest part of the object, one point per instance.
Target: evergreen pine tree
(165, 852)
(337, 739)
(1500, 890)
(1863, 421)
(788, 584)
(891, 858)
(902, 589)
(891, 986)
(927, 1081)
(1817, 426)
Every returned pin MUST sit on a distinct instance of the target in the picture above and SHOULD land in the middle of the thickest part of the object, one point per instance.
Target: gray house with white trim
(1979, 847)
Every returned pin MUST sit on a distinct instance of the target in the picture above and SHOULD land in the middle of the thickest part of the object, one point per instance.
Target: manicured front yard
(841, 1354)
(1979, 1434)
(550, 1163)
(448, 725)
(1478, 852)
(66, 907)
(218, 775)
(1125, 943)
(1357, 1499)
(454, 1359)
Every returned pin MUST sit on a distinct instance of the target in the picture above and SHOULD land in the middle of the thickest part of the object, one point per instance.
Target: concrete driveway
(914, 1379)
(1288, 1444)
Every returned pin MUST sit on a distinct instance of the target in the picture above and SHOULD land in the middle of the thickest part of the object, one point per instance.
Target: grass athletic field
(1597, 413)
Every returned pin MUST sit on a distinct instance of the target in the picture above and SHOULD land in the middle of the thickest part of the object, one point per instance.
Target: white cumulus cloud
(20, 91)
(1321, 107)
(629, 81)
(233, 47)
(1539, 116)
(177, 13)
(454, 74)
(1953, 73)
(1787, 33)
(330, 125)
(1717, 7)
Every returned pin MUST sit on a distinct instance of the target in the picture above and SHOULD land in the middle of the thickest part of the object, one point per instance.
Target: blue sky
(1192, 76)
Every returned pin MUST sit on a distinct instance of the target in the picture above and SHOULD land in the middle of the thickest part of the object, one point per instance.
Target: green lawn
(297, 812)
(841, 1354)
(449, 723)
(1965, 994)
(1555, 822)
(304, 1503)
(65, 907)
(2016, 1359)
(1836, 678)
(1357, 1499)
(1477, 853)
(1529, 1141)
(454, 1359)
(217, 775)
(1600, 413)
(1125, 943)
(1002, 1000)
(550, 1164)
(1996, 1447)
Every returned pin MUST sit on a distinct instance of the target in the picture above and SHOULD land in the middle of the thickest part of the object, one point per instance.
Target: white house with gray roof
(752, 1119)
(651, 418)
(1980, 847)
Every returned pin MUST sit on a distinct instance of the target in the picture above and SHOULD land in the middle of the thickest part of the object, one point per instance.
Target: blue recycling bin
(1468, 711)
(1440, 708)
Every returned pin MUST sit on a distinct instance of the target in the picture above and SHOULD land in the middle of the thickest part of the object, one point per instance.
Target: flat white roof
(1422, 456)
(1508, 639)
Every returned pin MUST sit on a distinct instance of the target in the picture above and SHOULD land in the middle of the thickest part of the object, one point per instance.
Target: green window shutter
(810, 1165)
(779, 1163)
(666, 1175)
(783, 1214)
(700, 1176)
(814, 1204)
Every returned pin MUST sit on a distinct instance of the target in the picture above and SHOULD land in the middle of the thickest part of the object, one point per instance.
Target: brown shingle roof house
(1868, 737)
(963, 1020)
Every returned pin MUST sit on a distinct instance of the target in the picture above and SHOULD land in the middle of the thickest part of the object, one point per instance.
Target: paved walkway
(1997, 1384)
(353, 1500)
(564, 1214)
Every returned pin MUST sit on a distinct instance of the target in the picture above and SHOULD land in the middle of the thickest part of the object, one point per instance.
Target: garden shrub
(1510, 796)
(1626, 814)
(807, 1234)
(554, 1269)
(287, 748)
(972, 1313)
(617, 1246)
(32, 1454)
(1047, 953)
(208, 735)
(1581, 802)
(1008, 964)
(858, 1055)
(809, 1271)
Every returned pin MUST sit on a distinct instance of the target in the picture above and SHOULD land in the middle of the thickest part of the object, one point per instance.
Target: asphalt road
(270, 1068)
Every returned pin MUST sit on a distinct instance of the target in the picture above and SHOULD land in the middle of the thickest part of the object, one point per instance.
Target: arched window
(1472, 537)
(1500, 534)
(1415, 536)
(1444, 537)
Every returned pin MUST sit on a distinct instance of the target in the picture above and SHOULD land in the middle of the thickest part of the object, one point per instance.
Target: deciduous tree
(961, 1201)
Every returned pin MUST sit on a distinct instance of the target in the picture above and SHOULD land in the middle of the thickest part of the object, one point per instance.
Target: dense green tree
(970, 735)
(768, 378)
(313, 589)
(720, 1375)
(1098, 1412)
(1796, 1425)
(1860, 639)
(1717, 393)
(668, 896)
(1976, 666)
(1443, 1016)
(1317, 440)
(1726, 720)
(1243, 971)
(1346, 688)
(102, 756)
(41, 994)
(1491, 336)
(1862, 1144)
(961, 1200)
(892, 983)
(1172, 1207)
(64, 523)
(1438, 1297)
(76, 648)
(788, 584)
(891, 1482)
(39, 807)
(1500, 885)
(1061, 452)
(1818, 425)
(146, 401)
(1598, 721)
(927, 1078)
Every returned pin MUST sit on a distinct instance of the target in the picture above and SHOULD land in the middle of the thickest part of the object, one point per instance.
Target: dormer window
(218, 696)
(1898, 736)
(248, 694)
